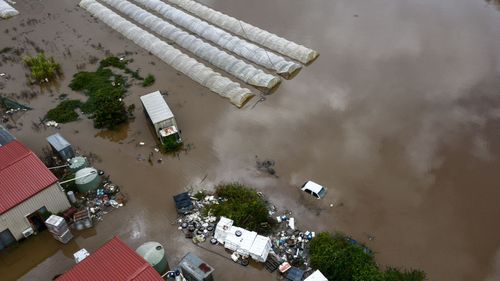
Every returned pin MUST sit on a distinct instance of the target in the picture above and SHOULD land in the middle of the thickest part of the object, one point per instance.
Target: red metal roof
(113, 261)
(22, 175)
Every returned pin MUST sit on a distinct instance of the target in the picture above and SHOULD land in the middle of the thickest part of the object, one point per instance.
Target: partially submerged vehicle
(314, 189)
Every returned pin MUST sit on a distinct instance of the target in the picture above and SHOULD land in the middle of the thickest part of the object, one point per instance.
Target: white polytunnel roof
(156, 107)
(195, 70)
(248, 31)
(224, 39)
(6, 10)
(229, 63)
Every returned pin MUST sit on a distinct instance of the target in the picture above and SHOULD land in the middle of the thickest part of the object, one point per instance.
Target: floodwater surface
(399, 118)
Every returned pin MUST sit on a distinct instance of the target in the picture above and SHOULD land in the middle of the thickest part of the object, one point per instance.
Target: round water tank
(77, 163)
(155, 255)
(87, 179)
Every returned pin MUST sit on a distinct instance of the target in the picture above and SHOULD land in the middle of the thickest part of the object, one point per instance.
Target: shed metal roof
(22, 175)
(112, 261)
(58, 142)
(5, 136)
(156, 107)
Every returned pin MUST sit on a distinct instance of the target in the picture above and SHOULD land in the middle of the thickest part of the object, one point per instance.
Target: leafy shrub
(170, 144)
(340, 258)
(42, 68)
(243, 205)
(110, 111)
(65, 111)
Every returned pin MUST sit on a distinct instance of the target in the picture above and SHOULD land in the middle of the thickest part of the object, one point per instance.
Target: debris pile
(288, 245)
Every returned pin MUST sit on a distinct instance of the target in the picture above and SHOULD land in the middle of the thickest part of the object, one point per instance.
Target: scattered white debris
(52, 123)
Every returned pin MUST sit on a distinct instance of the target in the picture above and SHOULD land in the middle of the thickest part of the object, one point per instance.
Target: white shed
(159, 114)
(244, 242)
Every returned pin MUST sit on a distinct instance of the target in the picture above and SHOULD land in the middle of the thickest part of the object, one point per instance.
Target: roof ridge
(22, 158)
(143, 268)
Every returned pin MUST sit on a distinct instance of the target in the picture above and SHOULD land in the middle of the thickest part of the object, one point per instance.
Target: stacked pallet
(59, 229)
(272, 263)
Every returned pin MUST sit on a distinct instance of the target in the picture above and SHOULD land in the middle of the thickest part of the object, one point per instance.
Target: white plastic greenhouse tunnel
(248, 31)
(230, 64)
(6, 10)
(224, 39)
(170, 55)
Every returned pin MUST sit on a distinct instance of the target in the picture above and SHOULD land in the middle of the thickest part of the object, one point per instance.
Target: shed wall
(15, 219)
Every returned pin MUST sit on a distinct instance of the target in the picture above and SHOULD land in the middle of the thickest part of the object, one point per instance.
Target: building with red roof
(113, 261)
(28, 191)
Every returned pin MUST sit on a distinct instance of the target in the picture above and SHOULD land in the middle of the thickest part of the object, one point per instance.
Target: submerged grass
(65, 111)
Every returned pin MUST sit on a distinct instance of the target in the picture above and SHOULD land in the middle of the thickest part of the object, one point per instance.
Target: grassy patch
(64, 112)
(42, 68)
(243, 205)
(149, 80)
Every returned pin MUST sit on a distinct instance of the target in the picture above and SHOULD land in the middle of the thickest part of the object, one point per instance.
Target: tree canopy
(340, 258)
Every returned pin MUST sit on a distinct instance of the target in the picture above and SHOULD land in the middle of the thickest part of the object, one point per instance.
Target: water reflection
(494, 2)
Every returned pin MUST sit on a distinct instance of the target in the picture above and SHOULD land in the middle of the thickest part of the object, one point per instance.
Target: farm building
(29, 191)
(113, 261)
(5, 136)
(160, 115)
(61, 146)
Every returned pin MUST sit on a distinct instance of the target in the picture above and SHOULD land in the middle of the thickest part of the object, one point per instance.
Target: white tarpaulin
(224, 39)
(316, 276)
(248, 31)
(232, 65)
(6, 10)
(170, 55)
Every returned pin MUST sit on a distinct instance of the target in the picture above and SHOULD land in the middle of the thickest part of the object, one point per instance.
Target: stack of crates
(59, 229)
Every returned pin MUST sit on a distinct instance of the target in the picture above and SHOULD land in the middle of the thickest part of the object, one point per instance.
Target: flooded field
(398, 117)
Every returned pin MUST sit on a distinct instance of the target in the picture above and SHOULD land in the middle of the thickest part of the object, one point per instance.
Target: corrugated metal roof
(58, 142)
(113, 261)
(156, 107)
(5, 136)
(22, 175)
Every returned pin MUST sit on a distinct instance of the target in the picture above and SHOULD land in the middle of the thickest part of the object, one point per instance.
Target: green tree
(243, 205)
(340, 258)
(111, 110)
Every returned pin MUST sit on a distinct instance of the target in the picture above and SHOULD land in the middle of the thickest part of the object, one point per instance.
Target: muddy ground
(399, 117)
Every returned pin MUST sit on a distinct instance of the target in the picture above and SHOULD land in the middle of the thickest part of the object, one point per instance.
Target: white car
(314, 189)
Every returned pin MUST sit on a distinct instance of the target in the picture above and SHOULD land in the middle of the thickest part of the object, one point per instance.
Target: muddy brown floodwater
(399, 117)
